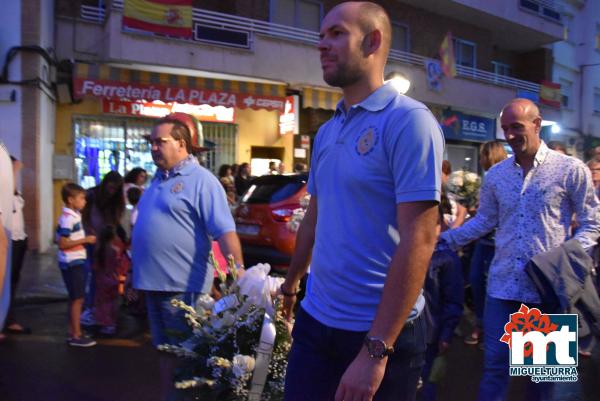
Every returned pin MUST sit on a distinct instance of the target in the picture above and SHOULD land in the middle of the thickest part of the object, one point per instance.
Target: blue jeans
(167, 323)
(320, 355)
(480, 265)
(494, 384)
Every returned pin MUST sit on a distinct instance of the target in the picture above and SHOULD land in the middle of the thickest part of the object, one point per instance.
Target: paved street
(41, 367)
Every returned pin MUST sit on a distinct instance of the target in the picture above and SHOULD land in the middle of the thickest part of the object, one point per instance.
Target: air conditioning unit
(222, 36)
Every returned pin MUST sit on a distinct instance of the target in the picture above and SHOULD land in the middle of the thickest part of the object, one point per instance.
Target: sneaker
(81, 342)
(88, 318)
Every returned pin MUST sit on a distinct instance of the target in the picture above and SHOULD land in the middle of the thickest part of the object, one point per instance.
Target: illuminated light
(555, 129)
(399, 81)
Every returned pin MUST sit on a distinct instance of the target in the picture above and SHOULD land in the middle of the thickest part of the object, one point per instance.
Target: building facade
(246, 58)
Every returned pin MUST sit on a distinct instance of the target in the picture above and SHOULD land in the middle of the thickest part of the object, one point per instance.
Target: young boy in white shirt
(72, 256)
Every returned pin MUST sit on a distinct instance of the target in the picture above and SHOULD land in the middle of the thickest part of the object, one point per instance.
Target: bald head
(369, 17)
(525, 107)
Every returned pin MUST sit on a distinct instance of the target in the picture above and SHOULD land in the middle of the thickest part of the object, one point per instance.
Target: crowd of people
(382, 235)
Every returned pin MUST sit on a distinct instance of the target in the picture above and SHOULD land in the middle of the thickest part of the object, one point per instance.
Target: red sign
(202, 112)
(288, 120)
(137, 91)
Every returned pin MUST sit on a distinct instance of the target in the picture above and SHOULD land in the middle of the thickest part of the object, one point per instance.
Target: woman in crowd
(105, 206)
(227, 182)
(19, 247)
(490, 153)
(243, 179)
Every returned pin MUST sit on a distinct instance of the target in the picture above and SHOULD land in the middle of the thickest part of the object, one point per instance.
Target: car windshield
(274, 188)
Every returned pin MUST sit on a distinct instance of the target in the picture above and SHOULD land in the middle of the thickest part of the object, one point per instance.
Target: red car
(262, 216)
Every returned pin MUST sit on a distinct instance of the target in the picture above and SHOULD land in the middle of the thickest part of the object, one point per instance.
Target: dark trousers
(320, 355)
(18, 257)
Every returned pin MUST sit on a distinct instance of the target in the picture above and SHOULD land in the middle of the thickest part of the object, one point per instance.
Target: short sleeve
(214, 208)
(65, 226)
(311, 187)
(415, 145)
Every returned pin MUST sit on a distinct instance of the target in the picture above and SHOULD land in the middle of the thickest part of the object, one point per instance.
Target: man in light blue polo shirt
(184, 208)
(370, 226)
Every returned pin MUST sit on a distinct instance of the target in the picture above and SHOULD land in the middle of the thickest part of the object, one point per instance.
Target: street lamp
(398, 81)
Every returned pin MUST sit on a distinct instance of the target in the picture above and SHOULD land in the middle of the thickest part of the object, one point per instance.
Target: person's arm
(586, 206)
(305, 240)
(3, 253)
(484, 221)
(65, 243)
(417, 223)
(230, 245)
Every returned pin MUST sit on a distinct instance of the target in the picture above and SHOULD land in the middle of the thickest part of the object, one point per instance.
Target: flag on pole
(550, 94)
(447, 56)
(166, 17)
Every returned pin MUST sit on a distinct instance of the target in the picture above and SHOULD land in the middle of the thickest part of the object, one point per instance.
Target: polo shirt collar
(184, 167)
(376, 101)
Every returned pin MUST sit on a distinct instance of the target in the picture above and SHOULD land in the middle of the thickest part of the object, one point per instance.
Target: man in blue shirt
(370, 226)
(178, 216)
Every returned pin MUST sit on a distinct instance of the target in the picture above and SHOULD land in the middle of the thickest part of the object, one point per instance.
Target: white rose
(456, 180)
(242, 364)
(205, 302)
(471, 177)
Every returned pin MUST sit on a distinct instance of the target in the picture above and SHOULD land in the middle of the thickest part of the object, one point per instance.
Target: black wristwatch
(377, 348)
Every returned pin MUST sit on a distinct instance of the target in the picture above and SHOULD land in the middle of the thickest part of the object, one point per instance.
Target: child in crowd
(444, 295)
(110, 262)
(133, 196)
(72, 255)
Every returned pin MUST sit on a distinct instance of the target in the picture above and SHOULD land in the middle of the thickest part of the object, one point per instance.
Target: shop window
(105, 144)
(465, 53)
(305, 14)
(224, 138)
(566, 89)
(400, 37)
(462, 157)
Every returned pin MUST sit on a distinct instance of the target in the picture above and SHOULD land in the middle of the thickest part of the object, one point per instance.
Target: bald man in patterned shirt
(530, 198)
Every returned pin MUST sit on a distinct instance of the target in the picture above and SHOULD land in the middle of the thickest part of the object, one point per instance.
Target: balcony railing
(252, 26)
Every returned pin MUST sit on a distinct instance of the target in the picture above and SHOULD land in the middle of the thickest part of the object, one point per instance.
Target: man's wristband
(287, 294)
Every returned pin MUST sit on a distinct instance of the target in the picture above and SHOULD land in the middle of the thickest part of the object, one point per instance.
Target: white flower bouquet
(294, 224)
(465, 185)
(239, 347)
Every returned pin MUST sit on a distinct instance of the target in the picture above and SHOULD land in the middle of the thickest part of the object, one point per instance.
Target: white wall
(10, 112)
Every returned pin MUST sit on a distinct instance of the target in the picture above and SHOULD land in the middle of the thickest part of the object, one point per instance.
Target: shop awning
(104, 81)
(318, 98)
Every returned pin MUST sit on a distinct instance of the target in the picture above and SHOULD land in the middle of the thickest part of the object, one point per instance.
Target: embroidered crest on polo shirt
(177, 187)
(367, 140)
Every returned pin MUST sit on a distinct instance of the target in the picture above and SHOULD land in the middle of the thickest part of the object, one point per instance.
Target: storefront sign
(289, 119)
(304, 141)
(467, 127)
(202, 112)
(139, 91)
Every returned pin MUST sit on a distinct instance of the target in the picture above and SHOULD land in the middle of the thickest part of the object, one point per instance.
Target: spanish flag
(165, 17)
(447, 56)
(550, 94)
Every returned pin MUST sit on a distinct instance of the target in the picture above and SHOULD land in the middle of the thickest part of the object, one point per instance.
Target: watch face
(376, 348)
